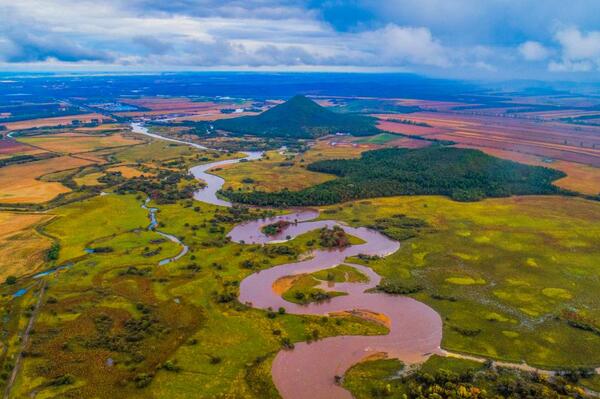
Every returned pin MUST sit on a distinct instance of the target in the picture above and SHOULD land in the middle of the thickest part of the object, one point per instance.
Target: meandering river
(310, 370)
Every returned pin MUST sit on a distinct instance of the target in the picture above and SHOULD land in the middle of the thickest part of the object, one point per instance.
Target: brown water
(309, 370)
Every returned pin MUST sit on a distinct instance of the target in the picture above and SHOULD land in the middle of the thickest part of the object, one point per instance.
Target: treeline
(462, 174)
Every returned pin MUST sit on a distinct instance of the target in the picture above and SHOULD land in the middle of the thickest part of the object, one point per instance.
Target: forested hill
(462, 174)
(299, 117)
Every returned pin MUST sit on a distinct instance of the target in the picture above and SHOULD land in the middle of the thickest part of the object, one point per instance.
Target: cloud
(467, 38)
(580, 51)
(533, 51)
(405, 45)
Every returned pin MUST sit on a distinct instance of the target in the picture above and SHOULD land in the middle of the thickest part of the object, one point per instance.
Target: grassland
(509, 276)
(22, 248)
(92, 324)
(306, 288)
(278, 171)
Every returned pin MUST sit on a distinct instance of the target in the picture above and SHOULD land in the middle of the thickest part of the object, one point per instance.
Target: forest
(461, 174)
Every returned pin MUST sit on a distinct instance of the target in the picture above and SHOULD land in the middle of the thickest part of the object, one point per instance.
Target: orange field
(128, 171)
(19, 183)
(21, 247)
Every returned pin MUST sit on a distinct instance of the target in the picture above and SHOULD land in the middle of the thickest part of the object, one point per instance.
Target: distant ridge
(299, 117)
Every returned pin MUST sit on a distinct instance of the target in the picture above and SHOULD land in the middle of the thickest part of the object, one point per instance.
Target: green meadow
(513, 279)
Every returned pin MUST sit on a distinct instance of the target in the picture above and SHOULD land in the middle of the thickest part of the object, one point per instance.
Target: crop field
(524, 268)
(56, 121)
(10, 148)
(551, 139)
(73, 144)
(22, 248)
(21, 183)
(279, 171)
(177, 106)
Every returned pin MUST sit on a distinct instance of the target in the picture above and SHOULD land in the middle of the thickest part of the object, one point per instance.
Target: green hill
(299, 117)
(462, 174)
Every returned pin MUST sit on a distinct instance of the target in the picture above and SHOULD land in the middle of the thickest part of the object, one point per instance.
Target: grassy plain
(92, 324)
(508, 276)
(278, 171)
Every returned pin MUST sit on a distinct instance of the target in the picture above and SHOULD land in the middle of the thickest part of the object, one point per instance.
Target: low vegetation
(442, 377)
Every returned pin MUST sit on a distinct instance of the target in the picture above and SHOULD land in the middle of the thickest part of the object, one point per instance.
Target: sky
(479, 39)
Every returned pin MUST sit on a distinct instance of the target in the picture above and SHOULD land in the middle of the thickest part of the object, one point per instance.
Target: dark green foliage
(299, 117)
(163, 188)
(10, 280)
(275, 228)
(66, 379)
(462, 174)
(397, 288)
(399, 227)
(53, 252)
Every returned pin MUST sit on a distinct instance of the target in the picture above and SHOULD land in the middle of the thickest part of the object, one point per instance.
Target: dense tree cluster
(462, 174)
(335, 237)
(275, 228)
(165, 188)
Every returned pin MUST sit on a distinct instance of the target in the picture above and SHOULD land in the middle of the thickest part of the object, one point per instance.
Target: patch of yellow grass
(89, 179)
(272, 175)
(558, 293)
(22, 249)
(128, 171)
(20, 184)
(465, 280)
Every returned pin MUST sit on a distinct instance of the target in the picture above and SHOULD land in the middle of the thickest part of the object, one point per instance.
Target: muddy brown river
(310, 369)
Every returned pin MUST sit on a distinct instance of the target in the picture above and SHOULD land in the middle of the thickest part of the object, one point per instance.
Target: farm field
(56, 121)
(22, 248)
(552, 140)
(523, 266)
(78, 143)
(21, 183)
(10, 148)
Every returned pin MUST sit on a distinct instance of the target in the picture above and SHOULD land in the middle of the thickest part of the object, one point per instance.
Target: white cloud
(580, 51)
(405, 45)
(533, 51)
